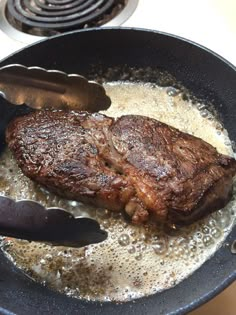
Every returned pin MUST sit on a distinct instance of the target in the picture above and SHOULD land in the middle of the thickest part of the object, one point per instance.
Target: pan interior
(133, 261)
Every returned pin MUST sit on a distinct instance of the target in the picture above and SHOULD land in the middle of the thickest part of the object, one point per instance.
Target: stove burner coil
(50, 17)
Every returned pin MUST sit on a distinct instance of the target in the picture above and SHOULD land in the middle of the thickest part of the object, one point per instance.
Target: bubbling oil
(134, 261)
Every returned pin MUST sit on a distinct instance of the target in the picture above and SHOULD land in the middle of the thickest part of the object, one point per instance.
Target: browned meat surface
(134, 163)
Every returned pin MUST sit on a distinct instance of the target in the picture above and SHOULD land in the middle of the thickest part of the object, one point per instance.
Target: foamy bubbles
(124, 239)
(159, 247)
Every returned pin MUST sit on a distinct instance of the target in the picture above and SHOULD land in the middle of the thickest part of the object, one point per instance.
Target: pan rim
(232, 276)
(126, 28)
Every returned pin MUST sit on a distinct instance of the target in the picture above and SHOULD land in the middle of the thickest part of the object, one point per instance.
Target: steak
(134, 163)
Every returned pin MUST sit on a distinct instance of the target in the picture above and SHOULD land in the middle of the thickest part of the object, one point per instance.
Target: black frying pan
(209, 77)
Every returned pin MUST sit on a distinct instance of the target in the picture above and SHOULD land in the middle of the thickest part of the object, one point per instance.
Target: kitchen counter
(223, 304)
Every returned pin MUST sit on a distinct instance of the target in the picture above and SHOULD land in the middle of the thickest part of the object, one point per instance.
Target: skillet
(208, 77)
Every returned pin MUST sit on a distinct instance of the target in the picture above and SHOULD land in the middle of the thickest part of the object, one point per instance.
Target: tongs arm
(29, 220)
(39, 88)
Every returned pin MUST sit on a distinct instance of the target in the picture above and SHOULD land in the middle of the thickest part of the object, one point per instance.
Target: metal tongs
(39, 88)
(27, 219)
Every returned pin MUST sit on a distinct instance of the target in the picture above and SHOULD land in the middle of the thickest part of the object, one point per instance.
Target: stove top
(50, 17)
(208, 22)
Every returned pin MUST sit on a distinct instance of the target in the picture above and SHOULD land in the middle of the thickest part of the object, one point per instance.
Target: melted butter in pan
(134, 261)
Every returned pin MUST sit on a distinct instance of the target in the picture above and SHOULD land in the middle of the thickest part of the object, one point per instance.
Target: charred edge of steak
(134, 163)
(215, 198)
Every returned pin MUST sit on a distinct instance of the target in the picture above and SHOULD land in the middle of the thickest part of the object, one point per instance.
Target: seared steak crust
(133, 163)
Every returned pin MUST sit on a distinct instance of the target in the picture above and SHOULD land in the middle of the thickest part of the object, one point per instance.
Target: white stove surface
(211, 23)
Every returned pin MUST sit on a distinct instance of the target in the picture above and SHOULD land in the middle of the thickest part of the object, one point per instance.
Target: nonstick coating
(210, 78)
